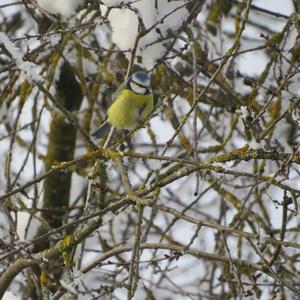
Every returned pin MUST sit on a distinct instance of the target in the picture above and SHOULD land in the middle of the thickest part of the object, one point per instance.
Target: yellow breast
(129, 108)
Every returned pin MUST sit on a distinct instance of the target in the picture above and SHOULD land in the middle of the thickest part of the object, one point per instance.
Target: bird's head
(139, 83)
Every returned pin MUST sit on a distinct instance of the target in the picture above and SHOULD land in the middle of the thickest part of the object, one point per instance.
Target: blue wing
(101, 131)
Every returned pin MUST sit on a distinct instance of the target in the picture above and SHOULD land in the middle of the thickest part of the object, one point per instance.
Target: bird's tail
(101, 131)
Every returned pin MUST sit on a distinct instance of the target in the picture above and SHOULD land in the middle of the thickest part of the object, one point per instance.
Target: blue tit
(133, 102)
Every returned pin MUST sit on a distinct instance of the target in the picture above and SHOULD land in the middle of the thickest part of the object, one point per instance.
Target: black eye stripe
(140, 85)
(147, 89)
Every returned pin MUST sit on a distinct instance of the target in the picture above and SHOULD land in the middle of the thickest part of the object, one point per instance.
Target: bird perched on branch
(133, 102)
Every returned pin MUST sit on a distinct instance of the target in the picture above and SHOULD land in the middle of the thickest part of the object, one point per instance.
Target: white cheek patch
(137, 89)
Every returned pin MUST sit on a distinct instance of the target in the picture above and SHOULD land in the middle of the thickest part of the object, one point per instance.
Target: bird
(133, 102)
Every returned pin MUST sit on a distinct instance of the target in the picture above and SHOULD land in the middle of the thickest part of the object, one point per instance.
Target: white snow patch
(65, 8)
(124, 21)
(54, 39)
(29, 70)
(243, 111)
(255, 145)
